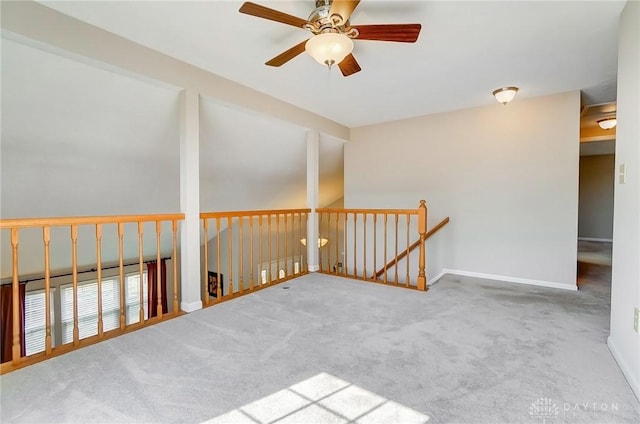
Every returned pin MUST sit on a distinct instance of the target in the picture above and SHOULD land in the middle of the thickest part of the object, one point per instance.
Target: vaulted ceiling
(465, 50)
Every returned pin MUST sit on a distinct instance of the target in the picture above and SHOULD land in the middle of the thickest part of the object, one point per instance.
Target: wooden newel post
(422, 229)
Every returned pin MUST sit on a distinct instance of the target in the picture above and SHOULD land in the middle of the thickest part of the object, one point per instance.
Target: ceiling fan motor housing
(321, 21)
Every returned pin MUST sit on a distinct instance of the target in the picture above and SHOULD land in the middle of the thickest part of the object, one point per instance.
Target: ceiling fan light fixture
(329, 48)
(505, 94)
(607, 123)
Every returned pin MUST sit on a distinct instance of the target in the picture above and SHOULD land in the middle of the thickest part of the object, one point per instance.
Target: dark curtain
(152, 281)
(6, 323)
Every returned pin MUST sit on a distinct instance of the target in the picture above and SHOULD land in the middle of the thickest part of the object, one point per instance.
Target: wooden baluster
(99, 278)
(16, 350)
(205, 226)
(46, 237)
(158, 270)
(219, 291)
(408, 245)
(174, 261)
(386, 270)
(304, 261)
(278, 246)
(74, 273)
(365, 246)
(286, 251)
(140, 271)
(241, 253)
(344, 264)
(422, 229)
(375, 244)
(230, 253)
(355, 266)
(333, 245)
(251, 253)
(121, 274)
(260, 248)
(320, 216)
(269, 248)
(396, 244)
(299, 244)
(337, 243)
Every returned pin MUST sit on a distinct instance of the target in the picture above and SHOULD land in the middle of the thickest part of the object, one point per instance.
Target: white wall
(79, 140)
(595, 213)
(330, 170)
(625, 287)
(507, 177)
(249, 161)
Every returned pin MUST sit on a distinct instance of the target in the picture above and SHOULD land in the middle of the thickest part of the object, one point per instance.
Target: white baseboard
(192, 306)
(509, 279)
(436, 278)
(631, 379)
(600, 240)
(314, 268)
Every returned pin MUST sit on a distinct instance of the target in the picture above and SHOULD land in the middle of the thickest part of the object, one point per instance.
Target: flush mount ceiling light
(321, 242)
(607, 123)
(329, 48)
(505, 94)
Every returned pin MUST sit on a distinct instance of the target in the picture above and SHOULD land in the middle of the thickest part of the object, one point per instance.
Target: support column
(190, 200)
(313, 177)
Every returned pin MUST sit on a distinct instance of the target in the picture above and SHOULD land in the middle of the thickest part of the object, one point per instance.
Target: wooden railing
(360, 239)
(411, 248)
(246, 251)
(84, 226)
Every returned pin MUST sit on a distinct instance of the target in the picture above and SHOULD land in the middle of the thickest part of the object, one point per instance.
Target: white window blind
(132, 282)
(35, 325)
(88, 305)
(88, 308)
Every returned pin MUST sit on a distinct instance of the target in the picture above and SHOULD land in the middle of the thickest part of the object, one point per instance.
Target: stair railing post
(422, 230)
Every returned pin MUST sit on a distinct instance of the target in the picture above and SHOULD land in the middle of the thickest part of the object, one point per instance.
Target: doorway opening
(595, 204)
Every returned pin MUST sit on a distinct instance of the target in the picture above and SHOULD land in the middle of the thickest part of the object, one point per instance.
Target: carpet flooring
(468, 351)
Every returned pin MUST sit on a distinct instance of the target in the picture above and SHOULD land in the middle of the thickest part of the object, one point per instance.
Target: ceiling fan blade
(284, 57)
(349, 66)
(253, 9)
(344, 8)
(403, 33)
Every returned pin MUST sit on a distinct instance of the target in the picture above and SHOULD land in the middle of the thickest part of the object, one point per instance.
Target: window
(132, 282)
(35, 325)
(88, 305)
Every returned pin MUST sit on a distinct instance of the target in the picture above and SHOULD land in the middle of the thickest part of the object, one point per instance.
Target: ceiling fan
(331, 42)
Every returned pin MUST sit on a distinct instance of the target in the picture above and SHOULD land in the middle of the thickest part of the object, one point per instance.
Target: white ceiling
(465, 50)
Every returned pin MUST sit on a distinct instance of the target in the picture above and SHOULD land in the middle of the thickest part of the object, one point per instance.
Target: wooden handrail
(370, 211)
(86, 220)
(235, 214)
(411, 248)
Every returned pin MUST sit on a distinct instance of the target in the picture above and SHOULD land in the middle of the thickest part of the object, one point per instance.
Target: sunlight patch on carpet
(322, 399)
